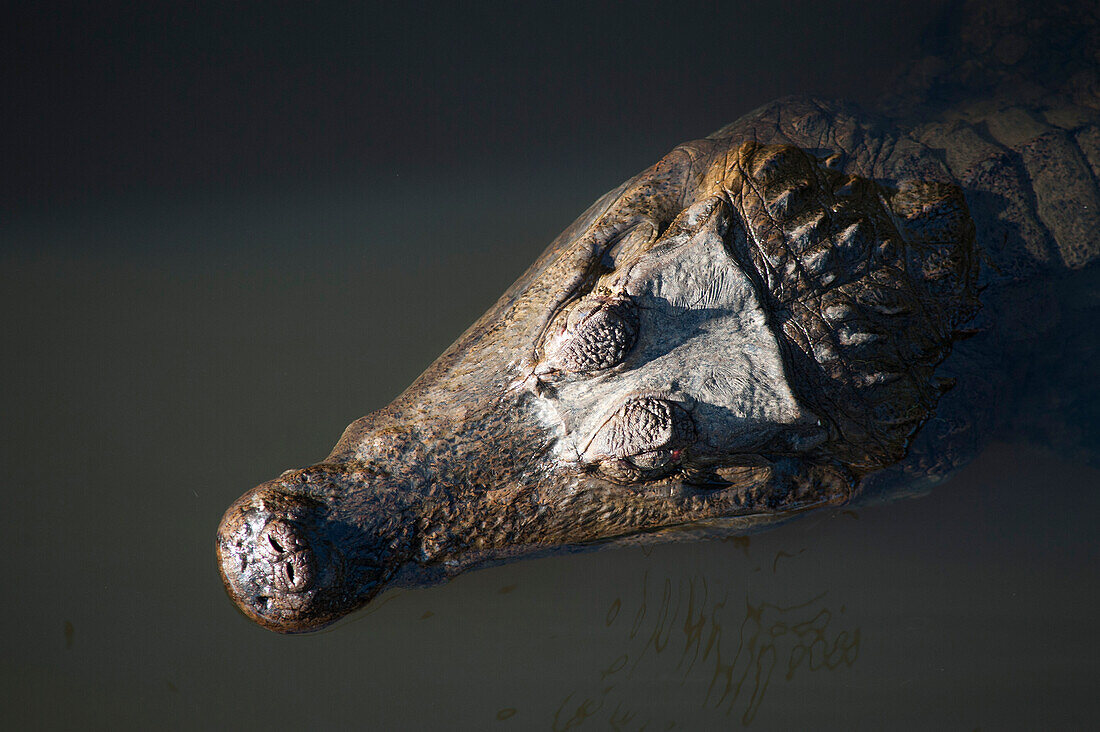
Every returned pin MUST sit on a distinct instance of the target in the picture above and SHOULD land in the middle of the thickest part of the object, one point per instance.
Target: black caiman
(756, 326)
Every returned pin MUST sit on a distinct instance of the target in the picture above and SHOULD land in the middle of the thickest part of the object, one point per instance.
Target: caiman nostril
(278, 538)
(295, 572)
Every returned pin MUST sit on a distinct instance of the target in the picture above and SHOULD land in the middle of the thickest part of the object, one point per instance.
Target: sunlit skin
(673, 358)
(752, 328)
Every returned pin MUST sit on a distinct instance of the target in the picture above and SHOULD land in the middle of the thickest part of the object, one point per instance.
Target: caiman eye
(644, 439)
(653, 459)
(595, 333)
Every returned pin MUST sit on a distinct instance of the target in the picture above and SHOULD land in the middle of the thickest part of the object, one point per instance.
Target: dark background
(115, 99)
(227, 230)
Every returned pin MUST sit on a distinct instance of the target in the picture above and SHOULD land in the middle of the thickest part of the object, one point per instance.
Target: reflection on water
(739, 645)
(717, 648)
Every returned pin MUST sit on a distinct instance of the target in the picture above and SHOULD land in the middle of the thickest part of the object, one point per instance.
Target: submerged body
(751, 328)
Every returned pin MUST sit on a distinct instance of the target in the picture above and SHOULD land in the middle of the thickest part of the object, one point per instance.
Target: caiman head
(740, 333)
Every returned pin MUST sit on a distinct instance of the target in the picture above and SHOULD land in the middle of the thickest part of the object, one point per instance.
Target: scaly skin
(856, 289)
(749, 329)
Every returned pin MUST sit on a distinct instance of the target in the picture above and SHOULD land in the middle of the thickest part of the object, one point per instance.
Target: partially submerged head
(741, 332)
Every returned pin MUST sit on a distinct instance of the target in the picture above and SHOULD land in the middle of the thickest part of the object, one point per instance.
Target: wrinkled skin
(747, 330)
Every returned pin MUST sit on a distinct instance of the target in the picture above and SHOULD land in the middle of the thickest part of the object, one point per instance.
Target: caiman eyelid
(591, 335)
(676, 398)
(611, 283)
(671, 394)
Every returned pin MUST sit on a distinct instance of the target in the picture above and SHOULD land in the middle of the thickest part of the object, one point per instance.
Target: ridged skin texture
(593, 334)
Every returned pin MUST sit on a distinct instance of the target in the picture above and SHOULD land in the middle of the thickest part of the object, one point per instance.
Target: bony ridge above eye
(594, 333)
(643, 439)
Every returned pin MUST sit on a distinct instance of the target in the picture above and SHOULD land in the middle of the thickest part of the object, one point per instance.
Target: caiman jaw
(736, 335)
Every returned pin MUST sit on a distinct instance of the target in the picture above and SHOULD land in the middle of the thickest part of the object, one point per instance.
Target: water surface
(147, 392)
(168, 348)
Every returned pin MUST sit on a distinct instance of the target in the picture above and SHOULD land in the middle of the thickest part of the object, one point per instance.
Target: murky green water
(145, 390)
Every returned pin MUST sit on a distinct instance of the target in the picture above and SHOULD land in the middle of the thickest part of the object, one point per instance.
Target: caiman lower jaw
(757, 489)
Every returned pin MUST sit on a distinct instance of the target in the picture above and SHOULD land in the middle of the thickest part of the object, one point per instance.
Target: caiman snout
(282, 546)
(296, 553)
(275, 565)
(738, 334)
(269, 567)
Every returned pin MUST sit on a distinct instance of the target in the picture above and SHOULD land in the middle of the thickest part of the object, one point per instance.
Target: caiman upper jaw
(738, 334)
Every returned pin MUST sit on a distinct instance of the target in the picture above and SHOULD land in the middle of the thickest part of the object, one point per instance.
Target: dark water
(165, 352)
(145, 392)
